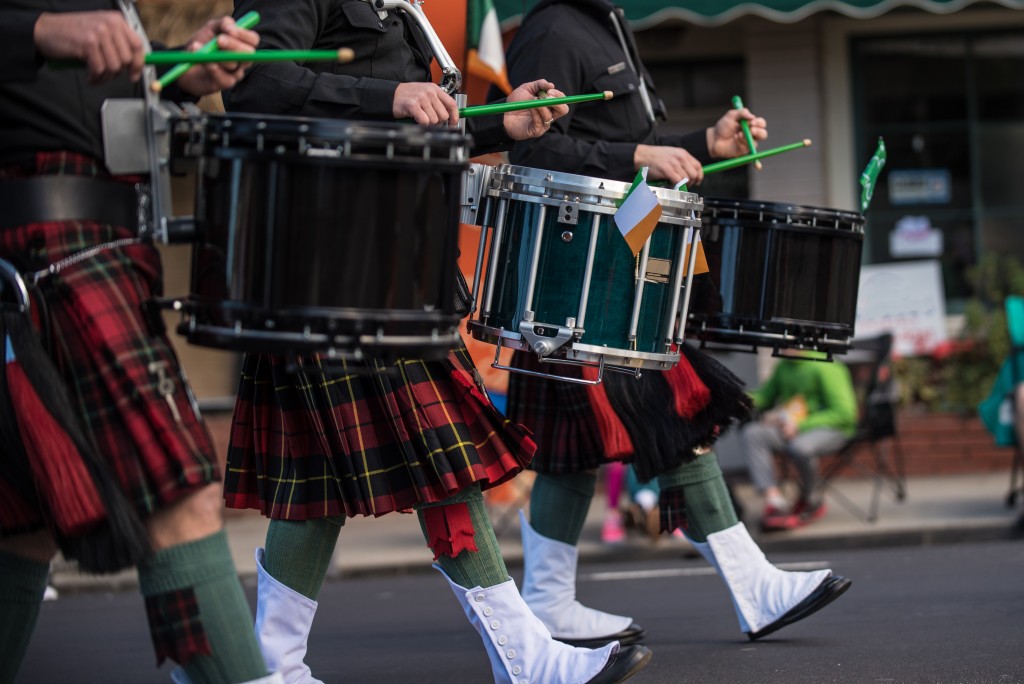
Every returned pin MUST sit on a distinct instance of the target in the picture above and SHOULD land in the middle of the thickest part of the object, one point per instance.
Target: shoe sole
(838, 589)
(627, 637)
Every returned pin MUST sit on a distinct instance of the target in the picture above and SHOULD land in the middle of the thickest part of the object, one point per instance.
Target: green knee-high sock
(559, 505)
(709, 507)
(483, 567)
(22, 583)
(192, 587)
(299, 552)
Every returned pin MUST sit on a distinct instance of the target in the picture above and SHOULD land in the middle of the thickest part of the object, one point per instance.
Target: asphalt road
(939, 614)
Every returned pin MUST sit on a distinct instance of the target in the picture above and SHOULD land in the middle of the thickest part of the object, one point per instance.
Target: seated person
(808, 408)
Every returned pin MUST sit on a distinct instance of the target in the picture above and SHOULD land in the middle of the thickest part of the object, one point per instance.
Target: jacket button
(380, 24)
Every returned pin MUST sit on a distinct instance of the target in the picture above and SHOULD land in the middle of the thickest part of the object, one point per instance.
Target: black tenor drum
(782, 276)
(335, 237)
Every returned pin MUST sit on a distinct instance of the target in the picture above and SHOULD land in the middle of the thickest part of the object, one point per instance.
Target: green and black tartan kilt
(327, 440)
(559, 415)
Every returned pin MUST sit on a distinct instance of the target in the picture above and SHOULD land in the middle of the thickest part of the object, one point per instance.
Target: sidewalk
(938, 509)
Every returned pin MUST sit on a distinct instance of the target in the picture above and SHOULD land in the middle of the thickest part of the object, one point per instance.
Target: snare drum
(782, 277)
(335, 237)
(561, 281)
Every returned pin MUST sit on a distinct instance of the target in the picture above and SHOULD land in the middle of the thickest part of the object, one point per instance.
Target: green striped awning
(713, 12)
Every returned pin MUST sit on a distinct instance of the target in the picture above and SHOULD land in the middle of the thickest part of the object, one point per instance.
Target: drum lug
(568, 212)
(544, 339)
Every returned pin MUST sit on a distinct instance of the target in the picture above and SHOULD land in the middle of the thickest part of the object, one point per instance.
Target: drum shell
(552, 217)
(337, 251)
(781, 276)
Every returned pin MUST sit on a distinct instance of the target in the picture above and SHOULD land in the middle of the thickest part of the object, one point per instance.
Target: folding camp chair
(876, 436)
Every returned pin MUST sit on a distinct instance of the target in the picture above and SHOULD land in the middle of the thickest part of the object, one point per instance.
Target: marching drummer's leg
(290, 572)
(519, 646)
(694, 497)
(558, 509)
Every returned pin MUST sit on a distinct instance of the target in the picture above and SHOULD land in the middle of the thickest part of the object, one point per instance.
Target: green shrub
(960, 374)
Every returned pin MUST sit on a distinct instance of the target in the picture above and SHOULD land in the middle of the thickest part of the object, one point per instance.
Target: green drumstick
(178, 57)
(737, 103)
(501, 107)
(174, 57)
(246, 21)
(747, 158)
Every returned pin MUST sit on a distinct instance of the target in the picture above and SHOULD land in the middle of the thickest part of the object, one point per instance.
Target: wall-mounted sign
(920, 186)
(915, 236)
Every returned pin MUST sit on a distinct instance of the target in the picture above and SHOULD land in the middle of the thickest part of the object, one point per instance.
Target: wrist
(640, 157)
(709, 140)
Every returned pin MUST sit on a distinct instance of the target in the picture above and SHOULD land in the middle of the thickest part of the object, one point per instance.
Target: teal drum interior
(561, 280)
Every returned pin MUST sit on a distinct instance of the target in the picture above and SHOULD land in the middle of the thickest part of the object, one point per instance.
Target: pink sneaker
(613, 531)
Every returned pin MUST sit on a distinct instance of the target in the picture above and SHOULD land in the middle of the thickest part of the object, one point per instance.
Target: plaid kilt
(94, 320)
(332, 440)
(559, 415)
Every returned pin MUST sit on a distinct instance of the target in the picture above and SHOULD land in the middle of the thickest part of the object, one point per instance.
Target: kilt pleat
(111, 350)
(334, 439)
(558, 414)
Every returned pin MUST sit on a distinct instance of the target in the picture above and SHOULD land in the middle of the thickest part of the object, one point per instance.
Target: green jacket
(825, 386)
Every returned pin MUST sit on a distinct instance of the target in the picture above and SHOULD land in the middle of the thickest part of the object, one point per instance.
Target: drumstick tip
(807, 142)
(346, 54)
(608, 94)
(156, 87)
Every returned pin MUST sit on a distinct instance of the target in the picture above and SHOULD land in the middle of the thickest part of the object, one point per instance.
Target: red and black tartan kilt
(331, 440)
(108, 346)
(559, 415)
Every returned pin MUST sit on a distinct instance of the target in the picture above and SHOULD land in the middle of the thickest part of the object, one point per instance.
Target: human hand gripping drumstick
(247, 21)
(737, 103)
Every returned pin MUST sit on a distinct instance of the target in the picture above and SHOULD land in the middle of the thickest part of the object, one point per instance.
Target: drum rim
(247, 123)
(713, 205)
(579, 350)
(600, 195)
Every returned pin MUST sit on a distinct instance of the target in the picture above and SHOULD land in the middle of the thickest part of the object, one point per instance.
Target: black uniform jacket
(44, 109)
(389, 49)
(573, 43)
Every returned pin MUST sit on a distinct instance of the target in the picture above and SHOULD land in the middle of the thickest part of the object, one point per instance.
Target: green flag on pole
(870, 175)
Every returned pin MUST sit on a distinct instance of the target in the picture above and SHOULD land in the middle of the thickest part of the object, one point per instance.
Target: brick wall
(942, 444)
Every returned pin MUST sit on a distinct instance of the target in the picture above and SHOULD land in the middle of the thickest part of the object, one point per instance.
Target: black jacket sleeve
(17, 44)
(318, 90)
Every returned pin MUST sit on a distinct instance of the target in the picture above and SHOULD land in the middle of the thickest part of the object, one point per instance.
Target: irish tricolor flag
(486, 58)
(700, 264)
(639, 213)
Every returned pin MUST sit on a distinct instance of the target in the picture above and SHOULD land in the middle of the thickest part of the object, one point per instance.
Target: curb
(67, 579)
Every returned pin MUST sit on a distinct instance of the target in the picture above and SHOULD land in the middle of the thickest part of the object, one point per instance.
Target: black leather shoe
(630, 635)
(623, 664)
(828, 591)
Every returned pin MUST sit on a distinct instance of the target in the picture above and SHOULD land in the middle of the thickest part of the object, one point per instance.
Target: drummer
(419, 435)
(587, 45)
(104, 456)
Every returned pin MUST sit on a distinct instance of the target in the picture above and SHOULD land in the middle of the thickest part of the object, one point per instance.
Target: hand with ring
(533, 123)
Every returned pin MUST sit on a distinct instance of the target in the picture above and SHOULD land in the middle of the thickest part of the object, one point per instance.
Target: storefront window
(951, 111)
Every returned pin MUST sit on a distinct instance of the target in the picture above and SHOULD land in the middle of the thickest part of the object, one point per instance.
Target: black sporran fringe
(118, 542)
(662, 440)
(729, 403)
